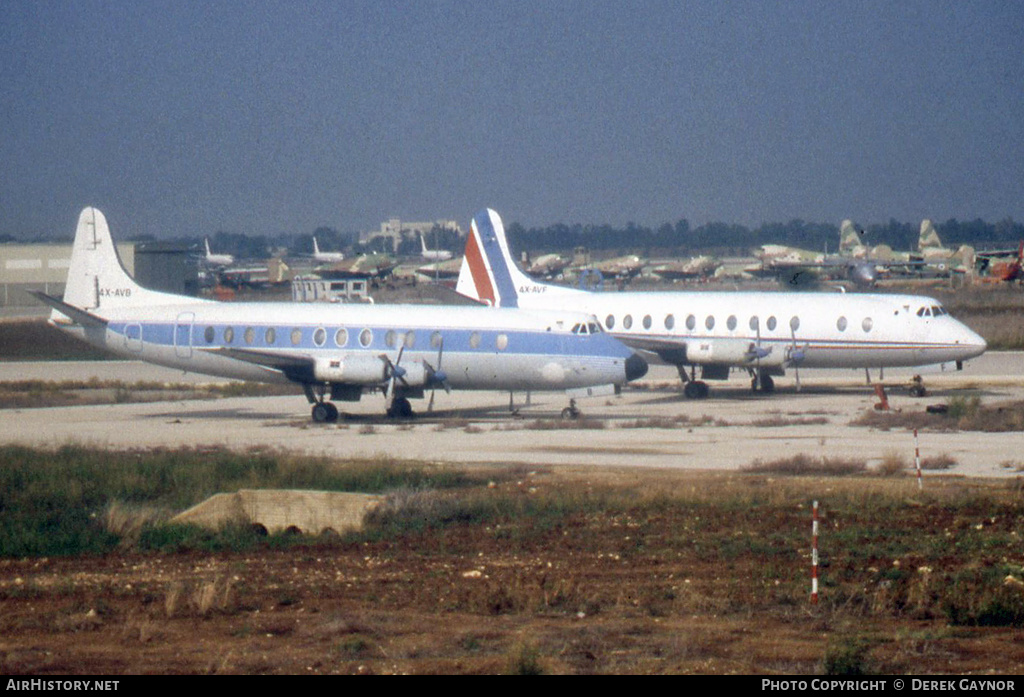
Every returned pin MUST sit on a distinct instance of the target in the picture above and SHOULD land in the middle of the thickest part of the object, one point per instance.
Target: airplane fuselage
(834, 330)
(481, 349)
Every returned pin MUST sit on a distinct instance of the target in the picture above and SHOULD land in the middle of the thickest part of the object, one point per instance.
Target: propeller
(757, 352)
(395, 372)
(437, 376)
(795, 357)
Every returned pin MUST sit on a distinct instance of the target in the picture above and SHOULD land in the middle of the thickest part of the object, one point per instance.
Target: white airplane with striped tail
(335, 352)
(762, 333)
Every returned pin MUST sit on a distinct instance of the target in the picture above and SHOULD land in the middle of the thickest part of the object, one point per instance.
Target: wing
(294, 367)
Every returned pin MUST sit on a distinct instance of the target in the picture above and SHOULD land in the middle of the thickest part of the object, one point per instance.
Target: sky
(186, 118)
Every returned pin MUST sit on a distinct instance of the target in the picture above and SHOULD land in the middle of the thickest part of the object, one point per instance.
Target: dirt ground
(594, 593)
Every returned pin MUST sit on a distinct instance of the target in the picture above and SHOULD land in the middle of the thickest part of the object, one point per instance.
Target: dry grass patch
(802, 465)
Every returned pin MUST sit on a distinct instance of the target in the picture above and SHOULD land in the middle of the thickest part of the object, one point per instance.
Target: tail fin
(489, 274)
(928, 237)
(316, 247)
(849, 238)
(96, 278)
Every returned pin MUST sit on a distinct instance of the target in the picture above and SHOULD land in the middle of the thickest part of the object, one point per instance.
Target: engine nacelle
(353, 369)
(741, 352)
(728, 351)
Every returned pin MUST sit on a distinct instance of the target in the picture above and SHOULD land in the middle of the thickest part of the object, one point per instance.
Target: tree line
(668, 239)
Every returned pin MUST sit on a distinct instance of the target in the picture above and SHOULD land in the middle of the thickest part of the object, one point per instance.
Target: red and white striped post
(814, 556)
(917, 462)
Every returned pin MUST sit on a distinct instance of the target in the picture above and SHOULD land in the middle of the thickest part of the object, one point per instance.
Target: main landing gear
(761, 382)
(692, 387)
(571, 411)
(325, 413)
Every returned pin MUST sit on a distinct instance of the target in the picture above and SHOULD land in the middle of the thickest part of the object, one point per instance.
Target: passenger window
(341, 337)
(365, 338)
(754, 323)
(771, 323)
(250, 335)
(270, 336)
(389, 338)
(410, 339)
(208, 335)
(670, 322)
(841, 324)
(710, 322)
(627, 321)
(609, 321)
(794, 323)
(647, 321)
(320, 336)
(501, 342)
(474, 340)
(691, 322)
(731, 322)
(296, 337)
(229, 335)
(867, 324)
(435, 340)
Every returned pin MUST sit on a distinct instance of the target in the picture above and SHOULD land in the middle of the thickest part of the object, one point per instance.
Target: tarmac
(650, 425)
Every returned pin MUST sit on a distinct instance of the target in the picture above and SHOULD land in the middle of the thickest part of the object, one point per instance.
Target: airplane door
(133, 337)
(183, 335)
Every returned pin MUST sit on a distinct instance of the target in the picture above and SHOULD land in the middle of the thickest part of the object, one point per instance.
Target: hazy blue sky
(265, 117)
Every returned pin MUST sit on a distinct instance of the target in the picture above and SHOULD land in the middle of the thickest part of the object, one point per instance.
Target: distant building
(393, 228)
(42, 267)
(310, 289)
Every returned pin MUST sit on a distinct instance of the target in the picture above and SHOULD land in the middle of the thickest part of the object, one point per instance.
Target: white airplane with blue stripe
(334, 351)
(762, 333)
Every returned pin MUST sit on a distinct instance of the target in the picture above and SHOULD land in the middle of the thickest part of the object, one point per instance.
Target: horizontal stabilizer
(86, 319)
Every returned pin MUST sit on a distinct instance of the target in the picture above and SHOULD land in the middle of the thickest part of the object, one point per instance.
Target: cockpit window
(594, 327)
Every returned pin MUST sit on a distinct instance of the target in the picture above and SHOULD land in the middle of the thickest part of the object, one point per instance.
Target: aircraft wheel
(400, 408)
(570, 413)
(325, 412)
(695, 389)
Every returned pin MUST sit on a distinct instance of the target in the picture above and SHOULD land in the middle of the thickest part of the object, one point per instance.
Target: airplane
(624, 267)
(799, 267)
(217, 259)
(1005, 265)
(334, 350)
(936, 257)
(447, 270)
(433, 254)
(763, 333)
(548, 266)
(325, 257)
(702, 267)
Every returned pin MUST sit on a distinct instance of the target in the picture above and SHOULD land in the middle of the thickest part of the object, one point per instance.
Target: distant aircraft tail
(316, 247)
(96, 278)
(850, 238)
(928, 237)
(489, 274)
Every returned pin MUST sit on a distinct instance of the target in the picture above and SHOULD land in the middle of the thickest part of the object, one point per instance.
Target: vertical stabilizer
(928, 237)
(850, 239)
(489, 274)
(97, 279)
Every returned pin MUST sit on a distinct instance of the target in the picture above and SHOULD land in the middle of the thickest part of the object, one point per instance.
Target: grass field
(484, 570)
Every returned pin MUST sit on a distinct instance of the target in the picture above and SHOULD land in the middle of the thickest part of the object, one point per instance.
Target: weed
(805, 464)
(524, 659)
(848, 657)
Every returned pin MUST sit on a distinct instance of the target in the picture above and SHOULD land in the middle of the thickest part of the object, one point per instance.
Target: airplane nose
(636, 367)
